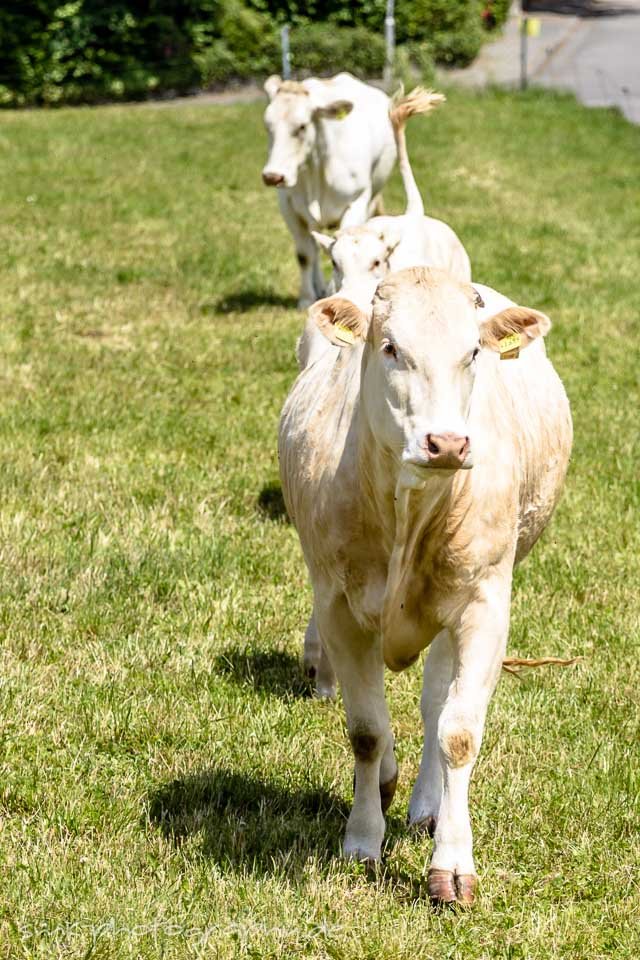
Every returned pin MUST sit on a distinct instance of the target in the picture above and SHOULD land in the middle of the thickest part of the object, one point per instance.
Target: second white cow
(331, 149)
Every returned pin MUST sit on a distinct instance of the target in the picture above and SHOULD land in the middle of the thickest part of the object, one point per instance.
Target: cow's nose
(446, 449)
(272, 179)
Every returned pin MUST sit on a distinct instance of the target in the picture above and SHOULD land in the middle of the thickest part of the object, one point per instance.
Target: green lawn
(168, 788)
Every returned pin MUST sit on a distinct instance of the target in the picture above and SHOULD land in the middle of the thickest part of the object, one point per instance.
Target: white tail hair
(419, 101)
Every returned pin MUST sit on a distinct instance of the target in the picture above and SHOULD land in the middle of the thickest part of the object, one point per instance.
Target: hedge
(93, 50)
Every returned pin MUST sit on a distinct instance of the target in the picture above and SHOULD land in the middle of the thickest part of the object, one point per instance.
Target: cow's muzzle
(272, 179)
(447, 451)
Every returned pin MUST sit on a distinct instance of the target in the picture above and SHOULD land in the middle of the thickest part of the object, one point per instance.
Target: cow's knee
(459, 738)
(367, 742)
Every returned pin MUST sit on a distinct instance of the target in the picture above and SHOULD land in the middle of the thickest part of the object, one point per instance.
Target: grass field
(168, 788)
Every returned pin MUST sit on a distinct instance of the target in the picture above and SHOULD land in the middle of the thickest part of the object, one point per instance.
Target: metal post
(390, 43)
(286, 52)
(524, 35)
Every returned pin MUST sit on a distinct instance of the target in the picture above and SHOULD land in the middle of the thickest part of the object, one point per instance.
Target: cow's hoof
(324, 691)
(362, 856)
(446, 887)
(466, 885)
(426, 825)
(388, 792)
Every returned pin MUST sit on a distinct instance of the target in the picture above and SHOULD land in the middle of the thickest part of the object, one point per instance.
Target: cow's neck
(402, 503)
(414, 518)
(311, 180)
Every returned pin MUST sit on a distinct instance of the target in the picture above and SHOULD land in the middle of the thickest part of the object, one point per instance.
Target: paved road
(599, 61)
(592, 48)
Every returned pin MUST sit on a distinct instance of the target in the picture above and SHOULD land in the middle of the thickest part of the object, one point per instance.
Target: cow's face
(357, 254)
(291, 119)
(424, 343)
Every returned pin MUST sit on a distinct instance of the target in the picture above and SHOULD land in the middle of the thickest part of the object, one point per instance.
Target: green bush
(87, 50)
(452, 28)
(322, 49)
(92, 50)
(495, 13)
(247, 46)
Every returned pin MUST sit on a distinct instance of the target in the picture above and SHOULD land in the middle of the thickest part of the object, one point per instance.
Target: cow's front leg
(311, 278)
(479, 643)
(427, 792)
(357, 659)
(357, 212)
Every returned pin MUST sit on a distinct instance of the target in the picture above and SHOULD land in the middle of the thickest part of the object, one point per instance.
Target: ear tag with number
(509, 346)
(343, 334)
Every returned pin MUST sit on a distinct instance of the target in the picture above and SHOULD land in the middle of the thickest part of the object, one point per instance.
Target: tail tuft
(419, 101)
(511, 664)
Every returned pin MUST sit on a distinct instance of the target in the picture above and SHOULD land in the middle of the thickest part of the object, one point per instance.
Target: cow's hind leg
(427, 792)
(357, 658)
(479, 643)
(317, 665)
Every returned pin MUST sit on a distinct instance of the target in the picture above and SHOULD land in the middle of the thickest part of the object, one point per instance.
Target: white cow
(387, 244)
(331, 149)
(407, 546)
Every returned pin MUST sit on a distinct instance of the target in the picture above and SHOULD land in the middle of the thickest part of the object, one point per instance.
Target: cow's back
(363, 142)
(525, 419)
(317, 448)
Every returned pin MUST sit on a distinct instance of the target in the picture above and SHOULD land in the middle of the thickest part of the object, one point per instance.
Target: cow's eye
(475, 353)
(375, 264)
(301, 129)
(390, 349)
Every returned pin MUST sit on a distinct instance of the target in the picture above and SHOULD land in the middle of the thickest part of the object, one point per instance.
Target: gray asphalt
(595, 55)
(599, 61)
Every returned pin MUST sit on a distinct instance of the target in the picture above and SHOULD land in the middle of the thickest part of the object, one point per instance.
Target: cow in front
(421, 458)
(331, 149)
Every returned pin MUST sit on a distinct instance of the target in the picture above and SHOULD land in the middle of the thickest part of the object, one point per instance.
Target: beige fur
(401, 555)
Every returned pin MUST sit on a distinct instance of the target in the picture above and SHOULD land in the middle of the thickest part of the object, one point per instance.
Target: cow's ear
(339, 320)
(323, 240)
(337, 110)
(272, 84)
(513, 329)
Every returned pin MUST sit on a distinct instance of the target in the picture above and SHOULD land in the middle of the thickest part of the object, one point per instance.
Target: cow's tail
(417, 102)
(512, 664)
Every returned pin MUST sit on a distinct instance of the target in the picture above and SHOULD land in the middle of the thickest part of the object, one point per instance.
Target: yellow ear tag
(343, 333)
(509, 346)
(341, 114)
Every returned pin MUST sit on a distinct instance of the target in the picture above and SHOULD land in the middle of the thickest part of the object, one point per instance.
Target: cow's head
(290, 119)
(426, 337)
(358, 255)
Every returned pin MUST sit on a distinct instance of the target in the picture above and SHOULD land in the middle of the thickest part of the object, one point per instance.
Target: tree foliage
(90, 50)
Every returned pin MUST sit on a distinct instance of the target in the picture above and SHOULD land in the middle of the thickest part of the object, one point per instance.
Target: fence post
(390, 42)
(524, 34)
(286, 52)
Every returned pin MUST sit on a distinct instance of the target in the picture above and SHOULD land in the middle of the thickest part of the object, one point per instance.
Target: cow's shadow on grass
(244, 821)
(271, 504)
(248, 823)
(268, 671)
(242, 301)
